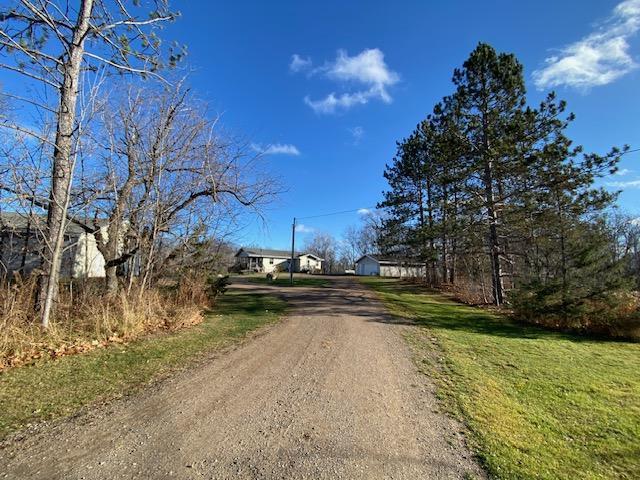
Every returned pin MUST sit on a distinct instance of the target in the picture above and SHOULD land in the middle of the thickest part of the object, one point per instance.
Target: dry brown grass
(86, 319)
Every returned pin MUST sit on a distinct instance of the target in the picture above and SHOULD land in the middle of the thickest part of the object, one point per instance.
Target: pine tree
(487, 175)
(490, 91)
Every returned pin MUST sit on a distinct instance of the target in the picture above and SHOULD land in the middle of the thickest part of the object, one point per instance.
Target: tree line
(491, 194)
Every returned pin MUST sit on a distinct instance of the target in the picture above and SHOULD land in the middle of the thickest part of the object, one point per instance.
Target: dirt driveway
(330, 392)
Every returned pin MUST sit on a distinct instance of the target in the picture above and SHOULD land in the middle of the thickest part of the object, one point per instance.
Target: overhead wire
(337, 213)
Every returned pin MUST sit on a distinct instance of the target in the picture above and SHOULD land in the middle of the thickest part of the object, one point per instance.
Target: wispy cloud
(628, 184)
(333, 102)
(366, 76)
(357, 133)
(276, 149)
(597, 59)
(364, 211)
(299, 64)
(622, 172)
(302, 228)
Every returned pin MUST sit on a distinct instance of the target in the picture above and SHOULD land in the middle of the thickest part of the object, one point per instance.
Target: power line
(293, 231)
(630, 151)
(337, 213)
(342, 212)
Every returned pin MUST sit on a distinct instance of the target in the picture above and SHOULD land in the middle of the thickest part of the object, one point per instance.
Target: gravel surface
(330, 392)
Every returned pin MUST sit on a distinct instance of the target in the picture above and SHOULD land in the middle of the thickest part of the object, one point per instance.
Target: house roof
(391, 260)
(311, 255)
(19, 222)
(266, 252)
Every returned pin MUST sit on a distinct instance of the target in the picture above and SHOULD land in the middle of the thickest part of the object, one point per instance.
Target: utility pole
(293, 247)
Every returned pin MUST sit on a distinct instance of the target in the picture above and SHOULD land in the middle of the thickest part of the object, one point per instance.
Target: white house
(21, 241)
(266, 260)
(378, 265)
(308, 263)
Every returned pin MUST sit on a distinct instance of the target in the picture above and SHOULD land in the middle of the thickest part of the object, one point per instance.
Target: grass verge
(283, 281)
(539, 404)
(55, 388)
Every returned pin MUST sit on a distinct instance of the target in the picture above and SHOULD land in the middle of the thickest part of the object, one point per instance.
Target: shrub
(616, 313)
(85, 318)
(218, 285)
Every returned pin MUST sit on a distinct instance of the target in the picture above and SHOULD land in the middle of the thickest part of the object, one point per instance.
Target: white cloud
(597, 59)
(364, 211)
(331, 102)
(276, 149)
(357, 133)
(367, 71)
(299, 63)
(368, 68)
(623, 171)
(302, 228)
(629, 184)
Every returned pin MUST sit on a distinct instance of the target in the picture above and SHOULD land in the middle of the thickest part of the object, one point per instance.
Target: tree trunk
(112, 280)
(423, 239)
(432, 261)
(496, 264)
(563, 258)
(445, 239)
(452, 269)
(490, 204)
(455, 234)
(494, 239)
(63, 165)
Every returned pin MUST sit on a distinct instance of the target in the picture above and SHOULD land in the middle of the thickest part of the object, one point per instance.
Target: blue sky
(386, 64)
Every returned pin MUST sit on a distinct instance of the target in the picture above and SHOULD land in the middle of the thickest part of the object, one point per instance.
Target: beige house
(383, 266)
(266, 261)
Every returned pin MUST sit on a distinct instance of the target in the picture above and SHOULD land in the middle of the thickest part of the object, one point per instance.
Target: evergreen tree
(490, 91)
(491, 186)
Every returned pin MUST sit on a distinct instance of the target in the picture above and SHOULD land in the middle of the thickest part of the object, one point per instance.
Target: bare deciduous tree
(52, 43)
(324, 246)
(166, 173)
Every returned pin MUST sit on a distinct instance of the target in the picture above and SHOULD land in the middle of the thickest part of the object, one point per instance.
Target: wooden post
(293, 247)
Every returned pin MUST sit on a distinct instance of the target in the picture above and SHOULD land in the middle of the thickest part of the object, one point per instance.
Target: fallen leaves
(41, 350)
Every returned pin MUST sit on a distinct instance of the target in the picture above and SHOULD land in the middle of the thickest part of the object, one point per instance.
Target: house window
(271, 261)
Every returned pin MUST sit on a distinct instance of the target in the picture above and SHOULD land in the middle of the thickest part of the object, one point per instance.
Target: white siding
(88, 261)
(367, 266)
(307, 262)
(402, 271)
(269, 264)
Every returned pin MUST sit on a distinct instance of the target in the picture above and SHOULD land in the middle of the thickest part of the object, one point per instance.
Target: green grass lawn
(55, 388)
(539, 404)
(283, 281)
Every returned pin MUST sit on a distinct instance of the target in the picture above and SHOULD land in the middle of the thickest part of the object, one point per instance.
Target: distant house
(385, 266)
(266, 260)
(308, 263)
(21, 242)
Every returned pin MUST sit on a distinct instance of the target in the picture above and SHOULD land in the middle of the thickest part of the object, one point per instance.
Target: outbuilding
(384, 266)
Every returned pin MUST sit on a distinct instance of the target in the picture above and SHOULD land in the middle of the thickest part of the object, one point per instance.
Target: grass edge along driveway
(538, 404)
(55, 388)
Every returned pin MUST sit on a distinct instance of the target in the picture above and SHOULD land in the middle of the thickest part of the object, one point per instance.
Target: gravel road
(330, 392)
